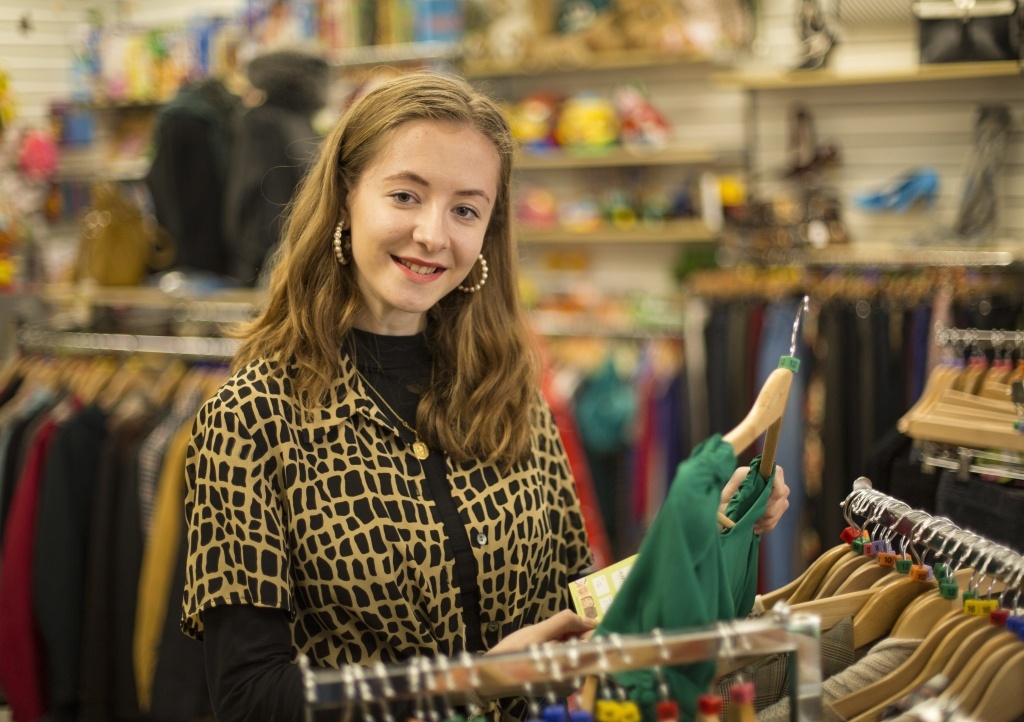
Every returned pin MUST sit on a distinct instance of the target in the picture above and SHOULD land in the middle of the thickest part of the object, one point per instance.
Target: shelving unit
(571, 63)
(370, 55)
(616, 157)
(828, 77)
(888, 256)
(671, 232)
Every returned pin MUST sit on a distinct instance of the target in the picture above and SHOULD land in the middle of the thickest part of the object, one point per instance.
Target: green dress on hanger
(688, 574)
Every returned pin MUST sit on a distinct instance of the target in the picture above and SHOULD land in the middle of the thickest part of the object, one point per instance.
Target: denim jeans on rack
(780, 547)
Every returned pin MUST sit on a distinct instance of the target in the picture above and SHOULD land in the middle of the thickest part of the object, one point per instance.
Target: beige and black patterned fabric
(330, 520)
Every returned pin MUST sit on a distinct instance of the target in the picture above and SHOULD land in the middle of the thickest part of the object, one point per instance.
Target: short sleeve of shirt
(237, 552)
(573, 532)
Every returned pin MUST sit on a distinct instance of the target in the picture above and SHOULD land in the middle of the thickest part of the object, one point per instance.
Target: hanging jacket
(273, 148)
(188, 177)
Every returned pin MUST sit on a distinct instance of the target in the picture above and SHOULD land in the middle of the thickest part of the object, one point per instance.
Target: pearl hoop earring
(483, 277)
(339, 250)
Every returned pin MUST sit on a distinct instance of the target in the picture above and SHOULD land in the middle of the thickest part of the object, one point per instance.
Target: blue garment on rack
(780, 549)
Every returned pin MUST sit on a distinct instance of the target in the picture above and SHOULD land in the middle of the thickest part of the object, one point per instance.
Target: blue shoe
(919, 185)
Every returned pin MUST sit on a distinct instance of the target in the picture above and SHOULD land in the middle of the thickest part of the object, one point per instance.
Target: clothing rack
(962, 460)
(35, 338)
(938, 534)
(967, 336)
(536, 672)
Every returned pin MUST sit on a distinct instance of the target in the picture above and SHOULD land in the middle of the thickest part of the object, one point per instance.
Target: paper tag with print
(592, 595)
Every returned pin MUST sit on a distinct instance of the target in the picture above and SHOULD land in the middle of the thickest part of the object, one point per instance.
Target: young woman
(381, 477)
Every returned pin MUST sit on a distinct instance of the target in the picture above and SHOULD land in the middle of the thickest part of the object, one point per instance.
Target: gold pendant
(420, 450)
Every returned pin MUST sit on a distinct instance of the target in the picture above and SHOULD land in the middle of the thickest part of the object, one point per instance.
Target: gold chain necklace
(419, 449)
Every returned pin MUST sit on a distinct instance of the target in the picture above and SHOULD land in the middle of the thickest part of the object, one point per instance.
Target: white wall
(39, 60)
(882, 131)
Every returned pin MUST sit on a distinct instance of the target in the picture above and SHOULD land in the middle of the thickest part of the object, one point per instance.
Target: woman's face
(418, 216)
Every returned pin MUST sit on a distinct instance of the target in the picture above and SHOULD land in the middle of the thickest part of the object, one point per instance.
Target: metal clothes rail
(938, 534)
(967, 336)
(32, 338)
(534, 672)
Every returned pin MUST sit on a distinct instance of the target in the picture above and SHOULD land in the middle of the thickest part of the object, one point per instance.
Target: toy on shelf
(537, 208)
(641, 124)
(587, 123)
(533, 121)
(581, 214)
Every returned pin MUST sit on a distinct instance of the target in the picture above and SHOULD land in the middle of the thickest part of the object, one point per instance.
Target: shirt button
(492, 627)
(481, 539)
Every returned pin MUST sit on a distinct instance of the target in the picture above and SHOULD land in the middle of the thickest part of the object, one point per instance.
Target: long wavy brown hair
(485, 373)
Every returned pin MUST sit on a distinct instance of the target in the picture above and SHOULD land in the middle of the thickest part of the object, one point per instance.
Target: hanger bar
(960, 459)
(539, 670)
(936, 533)
(948, 336)
(80, 342)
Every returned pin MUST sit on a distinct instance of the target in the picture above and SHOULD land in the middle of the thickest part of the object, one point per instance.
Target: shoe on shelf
(921, 184)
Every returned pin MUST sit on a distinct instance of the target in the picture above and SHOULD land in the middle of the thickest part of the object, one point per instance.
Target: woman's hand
(559, 628)
(778, 501)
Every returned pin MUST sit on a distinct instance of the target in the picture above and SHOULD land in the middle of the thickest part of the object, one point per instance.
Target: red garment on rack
(597, 535)
(21, 663)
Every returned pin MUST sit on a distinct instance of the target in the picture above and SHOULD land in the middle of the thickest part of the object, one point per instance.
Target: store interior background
(734, 113)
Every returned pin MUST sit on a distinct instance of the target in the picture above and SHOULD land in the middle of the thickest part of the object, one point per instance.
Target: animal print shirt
(329, 520)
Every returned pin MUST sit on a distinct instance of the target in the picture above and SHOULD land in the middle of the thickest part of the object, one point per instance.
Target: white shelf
(671, 232)
(826, 77)
(615, 157)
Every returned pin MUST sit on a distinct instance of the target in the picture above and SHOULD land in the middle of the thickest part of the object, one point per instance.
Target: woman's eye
(466, 212)
(402, 197)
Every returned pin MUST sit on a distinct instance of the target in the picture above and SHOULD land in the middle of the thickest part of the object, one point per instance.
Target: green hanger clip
(789, 362)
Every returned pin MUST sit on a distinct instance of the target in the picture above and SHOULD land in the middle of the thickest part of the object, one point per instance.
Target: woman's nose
(430, 230)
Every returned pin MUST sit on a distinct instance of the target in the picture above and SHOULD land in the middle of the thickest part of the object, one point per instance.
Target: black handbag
(968, 31)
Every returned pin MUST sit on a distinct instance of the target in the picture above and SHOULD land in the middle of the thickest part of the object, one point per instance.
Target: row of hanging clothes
(866, 348)
(910, 618)
(92, 529)
(623, 397)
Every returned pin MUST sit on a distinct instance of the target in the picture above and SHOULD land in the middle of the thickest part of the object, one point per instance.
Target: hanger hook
(365, 694)
(388, 692)
(449, 685)
(804, 307)
(554, 669)
(616, 640)
(985, 550)
(474, 678)
(659, 640)
(348, 679)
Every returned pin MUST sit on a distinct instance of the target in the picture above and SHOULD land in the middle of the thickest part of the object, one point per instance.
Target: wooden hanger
(802, 588)
(862, 578)
(969, 687)
(879, 615)
(835, 609)
(768, 406)
(1003, 699)
(925, 662)
(840, 573)
(942, 377)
